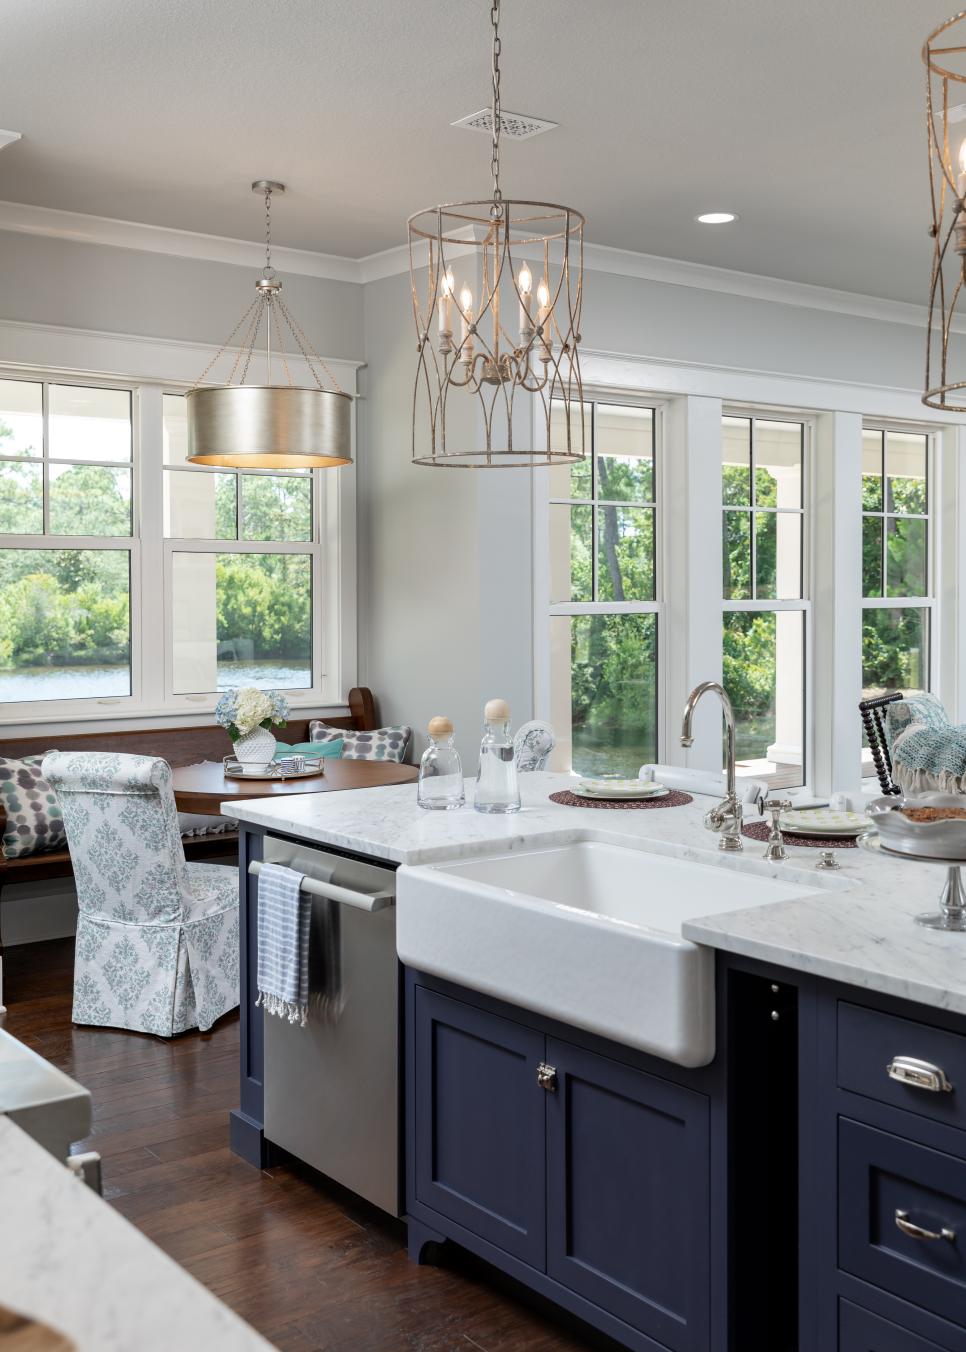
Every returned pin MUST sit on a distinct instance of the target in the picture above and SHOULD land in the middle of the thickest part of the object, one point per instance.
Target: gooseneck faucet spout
(726, 818)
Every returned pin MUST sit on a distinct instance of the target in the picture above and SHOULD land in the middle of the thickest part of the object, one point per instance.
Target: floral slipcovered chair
(157, 938)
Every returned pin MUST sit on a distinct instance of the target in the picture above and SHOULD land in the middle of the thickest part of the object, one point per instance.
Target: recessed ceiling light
(716, 217)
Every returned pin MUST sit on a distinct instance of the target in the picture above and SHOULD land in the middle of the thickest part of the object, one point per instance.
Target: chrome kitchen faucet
(726, 818)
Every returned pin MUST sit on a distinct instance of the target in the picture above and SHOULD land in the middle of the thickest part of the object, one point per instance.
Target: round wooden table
(200, 788)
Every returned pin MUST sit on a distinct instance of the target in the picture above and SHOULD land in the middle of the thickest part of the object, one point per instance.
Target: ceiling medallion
(945, 60)
(269, 426)
(497, 290)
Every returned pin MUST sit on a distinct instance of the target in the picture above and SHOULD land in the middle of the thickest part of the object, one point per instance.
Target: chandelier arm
(304, 343)
(225, 345)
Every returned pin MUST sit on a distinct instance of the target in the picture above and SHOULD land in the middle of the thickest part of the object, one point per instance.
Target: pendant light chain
(268, 271)
(497, 209)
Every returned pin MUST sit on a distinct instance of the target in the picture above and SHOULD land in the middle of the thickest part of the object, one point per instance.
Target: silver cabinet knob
(547, 1077)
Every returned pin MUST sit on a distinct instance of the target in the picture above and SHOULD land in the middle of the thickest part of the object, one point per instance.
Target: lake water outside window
(604, 622)
(765, 599)
(66, 479)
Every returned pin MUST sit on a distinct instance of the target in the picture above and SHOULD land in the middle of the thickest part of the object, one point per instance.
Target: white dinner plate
(823, 821)
(619, 788)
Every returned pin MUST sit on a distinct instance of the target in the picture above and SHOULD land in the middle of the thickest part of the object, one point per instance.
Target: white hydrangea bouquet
(247, 715)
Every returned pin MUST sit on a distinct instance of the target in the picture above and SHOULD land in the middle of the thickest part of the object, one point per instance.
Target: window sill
(121, 718)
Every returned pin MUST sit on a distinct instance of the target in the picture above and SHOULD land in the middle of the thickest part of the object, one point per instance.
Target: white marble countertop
(70, 1259)
(864, 935)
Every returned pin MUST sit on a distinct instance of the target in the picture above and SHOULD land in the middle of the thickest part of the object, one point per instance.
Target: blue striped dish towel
(284, 917)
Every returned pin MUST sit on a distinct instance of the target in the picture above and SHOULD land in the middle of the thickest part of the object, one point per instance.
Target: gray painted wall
(96, 286)
(419, 548)
(656, 319)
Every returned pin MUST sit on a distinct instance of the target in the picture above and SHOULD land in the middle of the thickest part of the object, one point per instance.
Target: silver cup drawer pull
(918, 1074)
(914, 1231)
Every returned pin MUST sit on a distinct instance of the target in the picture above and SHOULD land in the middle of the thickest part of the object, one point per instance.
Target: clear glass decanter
(497, 788)
(440, 771)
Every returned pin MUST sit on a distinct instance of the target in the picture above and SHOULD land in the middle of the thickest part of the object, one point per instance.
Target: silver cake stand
(951, 915)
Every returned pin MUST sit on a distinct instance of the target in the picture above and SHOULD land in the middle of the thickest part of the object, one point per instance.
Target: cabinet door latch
(547, 1077)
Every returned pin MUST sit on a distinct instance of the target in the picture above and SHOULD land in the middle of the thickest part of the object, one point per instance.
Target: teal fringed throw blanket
(928, 752)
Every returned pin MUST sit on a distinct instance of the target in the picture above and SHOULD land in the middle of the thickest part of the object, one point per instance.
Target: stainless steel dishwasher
(332, 1087)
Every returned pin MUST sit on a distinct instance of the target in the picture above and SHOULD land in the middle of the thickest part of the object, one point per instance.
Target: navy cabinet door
(861, 1331)
(628, 1194)
(481, 1123)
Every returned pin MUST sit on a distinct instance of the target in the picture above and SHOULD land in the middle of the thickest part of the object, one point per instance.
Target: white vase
(257, 746)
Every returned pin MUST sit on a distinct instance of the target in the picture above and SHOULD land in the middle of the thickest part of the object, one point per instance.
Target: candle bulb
(466, 306)
(543, 315)
(961, 176)
(524, 285)
(446, 304)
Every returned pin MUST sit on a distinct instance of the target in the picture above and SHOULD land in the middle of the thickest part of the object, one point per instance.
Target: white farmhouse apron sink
(588, 933)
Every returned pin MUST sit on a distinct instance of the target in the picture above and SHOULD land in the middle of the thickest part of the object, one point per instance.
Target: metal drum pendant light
(269, 426)
(496, 287)
(944, 56)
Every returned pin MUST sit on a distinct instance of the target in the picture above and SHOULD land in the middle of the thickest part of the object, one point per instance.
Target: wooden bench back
(182, 746)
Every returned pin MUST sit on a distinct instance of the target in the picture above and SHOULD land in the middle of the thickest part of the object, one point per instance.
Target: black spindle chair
(873, 720)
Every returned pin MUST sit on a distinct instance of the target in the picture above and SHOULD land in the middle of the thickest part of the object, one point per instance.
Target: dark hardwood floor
(307, 1264)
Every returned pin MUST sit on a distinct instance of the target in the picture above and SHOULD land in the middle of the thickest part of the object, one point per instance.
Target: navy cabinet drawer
(862, 1331)
(886, 1185)
(869, 1042)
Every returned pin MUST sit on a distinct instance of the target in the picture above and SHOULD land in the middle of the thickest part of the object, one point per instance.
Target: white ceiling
(806, 118)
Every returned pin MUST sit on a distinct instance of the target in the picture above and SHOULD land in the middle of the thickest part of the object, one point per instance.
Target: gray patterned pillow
(388, 744)
(33, 817)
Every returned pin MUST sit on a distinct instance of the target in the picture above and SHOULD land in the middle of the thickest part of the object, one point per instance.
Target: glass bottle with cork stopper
(440, 771)
(497, 788)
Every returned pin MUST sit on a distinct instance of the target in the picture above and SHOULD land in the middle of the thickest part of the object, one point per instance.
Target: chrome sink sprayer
(727, 816)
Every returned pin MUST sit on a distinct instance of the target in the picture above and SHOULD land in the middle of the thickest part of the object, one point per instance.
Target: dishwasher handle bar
(362, 901)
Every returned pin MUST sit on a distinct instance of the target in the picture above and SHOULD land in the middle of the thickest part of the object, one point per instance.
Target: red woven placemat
(761, 831)
(673, 798)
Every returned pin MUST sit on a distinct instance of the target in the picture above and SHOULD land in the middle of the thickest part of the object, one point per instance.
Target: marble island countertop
(863, 933)
(69, 1259)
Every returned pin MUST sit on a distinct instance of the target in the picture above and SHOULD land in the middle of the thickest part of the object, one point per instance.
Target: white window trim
(161, 368)
(545, 609)
(802, 604)
(933, 601)
(689, 394)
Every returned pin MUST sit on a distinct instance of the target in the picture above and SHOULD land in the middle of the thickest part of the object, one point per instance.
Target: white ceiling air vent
(514, 126)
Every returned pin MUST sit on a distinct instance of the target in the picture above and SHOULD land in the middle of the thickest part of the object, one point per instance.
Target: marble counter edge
(82, 1265)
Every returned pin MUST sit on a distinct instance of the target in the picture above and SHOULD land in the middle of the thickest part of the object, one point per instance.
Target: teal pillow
(310, 750)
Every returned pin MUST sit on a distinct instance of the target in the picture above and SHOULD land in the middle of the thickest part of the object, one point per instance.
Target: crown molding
(72, 225)
(83, 229)
(130, 356)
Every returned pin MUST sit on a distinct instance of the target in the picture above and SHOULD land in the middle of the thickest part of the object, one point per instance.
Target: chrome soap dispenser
(497, 787)
(440, 771)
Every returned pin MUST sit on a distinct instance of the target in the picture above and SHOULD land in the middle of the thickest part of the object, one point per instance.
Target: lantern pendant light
(944, 56)
(496, 289)
(269, 426)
